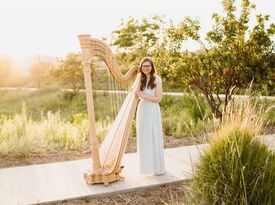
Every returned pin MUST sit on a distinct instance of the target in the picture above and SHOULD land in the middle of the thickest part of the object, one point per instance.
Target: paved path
(222, 96)
(52, 182)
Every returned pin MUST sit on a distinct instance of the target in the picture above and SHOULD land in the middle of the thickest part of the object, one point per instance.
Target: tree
(70, 71)
(136, 39)
(234, 54)
(231, 55)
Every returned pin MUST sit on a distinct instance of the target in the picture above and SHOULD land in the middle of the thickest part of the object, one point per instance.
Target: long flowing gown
(150, 145)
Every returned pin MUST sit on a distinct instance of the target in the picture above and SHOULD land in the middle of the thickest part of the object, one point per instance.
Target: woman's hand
(139, 94)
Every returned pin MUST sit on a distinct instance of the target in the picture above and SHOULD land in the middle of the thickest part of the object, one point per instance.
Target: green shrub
(237, 168)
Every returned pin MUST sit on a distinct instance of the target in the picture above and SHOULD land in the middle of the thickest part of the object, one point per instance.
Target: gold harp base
(103, 178)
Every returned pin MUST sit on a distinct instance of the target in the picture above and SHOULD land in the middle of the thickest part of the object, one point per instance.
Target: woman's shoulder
(157, 79)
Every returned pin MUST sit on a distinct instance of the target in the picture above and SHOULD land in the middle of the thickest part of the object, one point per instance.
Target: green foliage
(237, 168)
(188, 115)
(136, 39)
(61, 118)
(79, 117)
(36, 101)
(231, 55)
(70, 72)
(45, 100)
(234, 55)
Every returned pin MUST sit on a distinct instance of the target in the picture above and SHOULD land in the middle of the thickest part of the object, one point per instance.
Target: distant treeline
(233, 55)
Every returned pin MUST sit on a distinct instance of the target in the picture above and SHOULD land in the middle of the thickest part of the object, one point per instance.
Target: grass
(50, 119)
(20, 135)
(53, 100)
(237, 168)
(185, 115)
(42, 100)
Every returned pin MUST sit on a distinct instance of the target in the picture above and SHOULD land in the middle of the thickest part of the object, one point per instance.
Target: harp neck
(94, 47)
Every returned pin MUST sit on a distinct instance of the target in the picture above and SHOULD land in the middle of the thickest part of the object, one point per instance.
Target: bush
(237, 168)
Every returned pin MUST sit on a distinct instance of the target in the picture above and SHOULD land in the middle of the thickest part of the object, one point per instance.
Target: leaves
(235, 55)
(231, 54)
(69, 71)
(138, 38)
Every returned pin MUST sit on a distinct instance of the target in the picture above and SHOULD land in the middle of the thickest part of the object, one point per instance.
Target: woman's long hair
(151, 83)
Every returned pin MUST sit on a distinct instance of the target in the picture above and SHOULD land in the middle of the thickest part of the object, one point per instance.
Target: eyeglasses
(146, 66)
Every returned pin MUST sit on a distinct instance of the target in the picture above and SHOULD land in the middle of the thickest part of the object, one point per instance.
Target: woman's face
(146, 67)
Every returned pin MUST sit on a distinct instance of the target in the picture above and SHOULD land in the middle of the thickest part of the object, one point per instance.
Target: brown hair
(151, 83)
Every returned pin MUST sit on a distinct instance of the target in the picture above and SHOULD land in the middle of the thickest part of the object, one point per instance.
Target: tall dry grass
(237, 168)
(21, 135)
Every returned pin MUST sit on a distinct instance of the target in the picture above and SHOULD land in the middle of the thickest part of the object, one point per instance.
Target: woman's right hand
(139, 95)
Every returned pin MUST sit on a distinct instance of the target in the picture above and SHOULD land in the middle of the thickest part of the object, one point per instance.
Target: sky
(50, 27)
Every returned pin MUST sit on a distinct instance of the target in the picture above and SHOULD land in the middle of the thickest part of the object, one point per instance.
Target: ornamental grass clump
(237, 168)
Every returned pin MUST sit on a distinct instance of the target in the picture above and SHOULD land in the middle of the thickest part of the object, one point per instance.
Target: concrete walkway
(44, 183)
(222, 96)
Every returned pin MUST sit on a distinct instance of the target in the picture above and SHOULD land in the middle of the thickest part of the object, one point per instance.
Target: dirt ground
(59, 156)
(174, 194)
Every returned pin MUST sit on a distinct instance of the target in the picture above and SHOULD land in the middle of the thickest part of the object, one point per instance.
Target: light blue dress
(150, 145)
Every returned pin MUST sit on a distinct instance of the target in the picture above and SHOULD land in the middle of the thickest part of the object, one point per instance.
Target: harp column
(87, 54)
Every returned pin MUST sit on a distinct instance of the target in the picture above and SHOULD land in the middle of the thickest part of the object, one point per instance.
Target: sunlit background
(50, 27)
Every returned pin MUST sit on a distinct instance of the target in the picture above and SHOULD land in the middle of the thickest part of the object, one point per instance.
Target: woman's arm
(156, 99)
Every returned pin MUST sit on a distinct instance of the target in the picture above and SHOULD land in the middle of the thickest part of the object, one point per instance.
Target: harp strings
(108, 97)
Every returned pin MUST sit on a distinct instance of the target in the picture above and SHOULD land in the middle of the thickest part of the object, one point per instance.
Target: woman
(149, 128)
